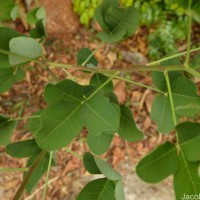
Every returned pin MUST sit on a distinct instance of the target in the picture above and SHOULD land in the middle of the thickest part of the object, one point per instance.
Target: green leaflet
(128, 129)
(61, 124)
(90, 164)
(116, 22)
(99, 115)
(98, 79)
(35, 15)
(63, 91)
(161, 114)
(27, 48)
(83, 54)
(22, 149)
(158, 164)
(39, 30)
(119, 191)
(189, 140)
(35, 124)
(38, 172)
(99, 144)
(186, 100)
(101, 189)
(5, 9)
(107, 170)
(8, 77)
(6, 129)
(6, 34)
(186, 178)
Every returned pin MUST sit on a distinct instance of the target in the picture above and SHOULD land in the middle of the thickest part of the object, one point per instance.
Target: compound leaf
(63, 91)
(186, 178)
(158, 164)
(189, 140)
(6, 128)
(107, 170)
(99, 144)
(128, 129)
(90, 164)
(161, 114)
(6, 34)
(60, 124)
(83, 54)
(99, 115)
(101, 189)
(22, 149)
(8, 77)
(119, 191)
(27, 48)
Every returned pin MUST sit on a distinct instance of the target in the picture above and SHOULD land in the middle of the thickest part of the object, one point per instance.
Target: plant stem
(21, 118)
(90, 56)
(100, 87)
(187, 59)
(28, 175)
(172, 56)
(72, 152)
(47, 177)
(136, 83)
(192, 72)
(14, 169)
(170, 98)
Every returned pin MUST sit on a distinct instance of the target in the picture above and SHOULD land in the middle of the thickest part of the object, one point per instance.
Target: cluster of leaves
(72, 107)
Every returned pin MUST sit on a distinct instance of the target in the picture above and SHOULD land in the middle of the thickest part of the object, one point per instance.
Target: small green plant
(72, 107)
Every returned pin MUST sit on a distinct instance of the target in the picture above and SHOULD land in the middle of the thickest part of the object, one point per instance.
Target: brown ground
(69, 176)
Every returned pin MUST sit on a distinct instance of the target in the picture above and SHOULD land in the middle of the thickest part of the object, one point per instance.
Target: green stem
(187, 59)
(172, 56)
(90, 56)
(28, 175)
(170, 98)
(72, 152)
(47, 177)
(21, 118)
(192, 72)
(14, 169)
(100, 87)
(136, 83)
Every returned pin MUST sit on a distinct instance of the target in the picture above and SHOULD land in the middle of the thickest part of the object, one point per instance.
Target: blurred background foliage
(165, 20)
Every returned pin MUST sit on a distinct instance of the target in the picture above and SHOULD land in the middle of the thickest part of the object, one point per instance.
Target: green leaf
(189, 140)
(186, 178)
(35, 15)
(39, 31)
(35, 124)
(99, 115)
(158, 164)
(22, 149)
(61, 124)
(38, 172)
(8, 77)
(99, 144)
(107, 170)
(159, 78)
(14, 12)
(101, 189)
(5, 9)
(119, 191)
(116, 22)
(27, 48)
(128, 129)
(99, 79)
(6, 129)
(6, 34)
(83, 55)
(90, 164)
(161, 114)
(63, 91)
(186, 100)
